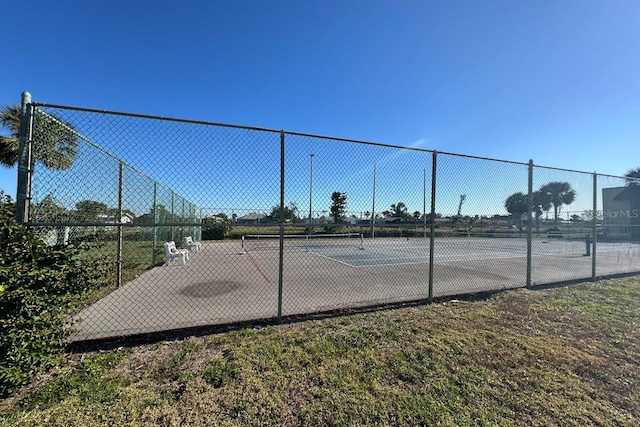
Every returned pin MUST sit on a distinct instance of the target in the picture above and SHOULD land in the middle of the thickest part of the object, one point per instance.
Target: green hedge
(39, 287)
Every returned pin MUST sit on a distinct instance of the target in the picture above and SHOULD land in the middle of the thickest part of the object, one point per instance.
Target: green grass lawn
(564, 356)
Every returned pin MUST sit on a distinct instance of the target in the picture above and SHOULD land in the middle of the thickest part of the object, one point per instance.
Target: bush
(217, 232)
(40, 286)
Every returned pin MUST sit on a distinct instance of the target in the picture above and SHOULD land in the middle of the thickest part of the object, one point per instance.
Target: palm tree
(541, 203)
(517, 204)
(558, 194)
(633, 176)
(54, 142)
(10, 118)
(399, 210)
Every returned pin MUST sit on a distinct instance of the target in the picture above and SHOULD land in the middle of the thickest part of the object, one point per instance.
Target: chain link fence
(267, 223)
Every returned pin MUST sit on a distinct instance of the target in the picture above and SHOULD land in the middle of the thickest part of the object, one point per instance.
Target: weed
(218, 373)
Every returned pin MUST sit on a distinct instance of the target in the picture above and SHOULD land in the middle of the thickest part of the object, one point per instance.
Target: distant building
(213, 220)
(252, 218)
(125, 218)
(621, 212)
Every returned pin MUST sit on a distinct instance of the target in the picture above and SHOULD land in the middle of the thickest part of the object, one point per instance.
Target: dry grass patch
(567, 356)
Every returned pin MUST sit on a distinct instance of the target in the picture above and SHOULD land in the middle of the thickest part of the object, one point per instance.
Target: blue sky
(553, 81)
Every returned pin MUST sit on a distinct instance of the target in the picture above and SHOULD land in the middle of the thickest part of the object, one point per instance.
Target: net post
(587, 241)
(361, 242)
(242, 248)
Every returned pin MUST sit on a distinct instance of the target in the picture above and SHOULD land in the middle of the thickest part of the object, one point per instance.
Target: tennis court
(227, 283)
(355, 251)
(139, 201)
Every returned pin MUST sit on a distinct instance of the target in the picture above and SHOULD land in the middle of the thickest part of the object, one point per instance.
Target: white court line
(332, 259)
(371, 262)
(438, 261)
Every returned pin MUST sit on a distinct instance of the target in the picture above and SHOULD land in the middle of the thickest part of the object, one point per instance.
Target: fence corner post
(594, 240)
(23, 193)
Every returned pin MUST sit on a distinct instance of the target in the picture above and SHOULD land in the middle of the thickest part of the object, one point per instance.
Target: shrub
(217, 232)
(40, 286)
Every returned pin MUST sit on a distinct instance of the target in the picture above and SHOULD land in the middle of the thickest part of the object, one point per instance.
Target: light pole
(310, 190)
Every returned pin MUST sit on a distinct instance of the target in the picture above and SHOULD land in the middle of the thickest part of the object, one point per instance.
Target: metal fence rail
(427, 224)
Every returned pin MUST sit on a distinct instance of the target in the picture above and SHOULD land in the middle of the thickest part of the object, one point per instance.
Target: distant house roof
(251, 217)
(392, 219)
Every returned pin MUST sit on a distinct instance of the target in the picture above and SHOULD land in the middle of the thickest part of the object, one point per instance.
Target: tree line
(552, 195)
(337, 208)
(56, 145)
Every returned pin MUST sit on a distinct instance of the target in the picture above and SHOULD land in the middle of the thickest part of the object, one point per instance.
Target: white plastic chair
(190, 244)
(172, 252)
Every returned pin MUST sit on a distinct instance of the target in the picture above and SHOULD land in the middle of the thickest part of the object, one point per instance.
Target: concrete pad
(221, 286)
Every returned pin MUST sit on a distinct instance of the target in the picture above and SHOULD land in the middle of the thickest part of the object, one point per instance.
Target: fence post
(529, 221)
(182, 221)
(154, 244)
(191, 220)
(373, 205)
(433, 223)
(119, 221)
(23, 194)
(424, 202)
(173, 217)
(595, 226)
(281, 255)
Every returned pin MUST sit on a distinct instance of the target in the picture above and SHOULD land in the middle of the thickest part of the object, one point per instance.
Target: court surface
(390, 252)
(221, 284)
